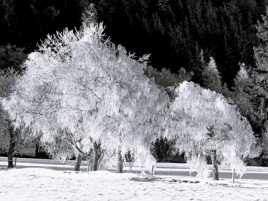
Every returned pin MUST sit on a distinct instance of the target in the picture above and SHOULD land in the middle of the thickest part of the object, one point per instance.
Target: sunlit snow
(31, 184)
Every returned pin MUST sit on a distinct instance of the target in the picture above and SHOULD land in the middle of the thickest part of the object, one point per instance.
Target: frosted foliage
(203, 120)
(197, 163)
(145, 159)
(242, 73)
(211, 77)
(59, 147)
(81, 82)
(7, 82)
(261, 52)
(232, 161)
(212, 65)
(265, 141)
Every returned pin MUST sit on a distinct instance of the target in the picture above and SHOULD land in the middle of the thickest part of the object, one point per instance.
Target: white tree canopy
(80, 82)
(203, 120)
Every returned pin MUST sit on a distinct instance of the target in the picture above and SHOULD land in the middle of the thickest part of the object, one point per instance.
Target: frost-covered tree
(249, 94)
(261, 55)
(251, 86)
(79, 82)
(241, 92)
(211, 77)
(59, 146)
(89, 14)
(261, 52)
(7, 83)
(260, 79)
(203, 121)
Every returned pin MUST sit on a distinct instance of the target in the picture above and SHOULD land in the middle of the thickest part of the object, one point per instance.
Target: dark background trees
(25, 23)
(172, 31)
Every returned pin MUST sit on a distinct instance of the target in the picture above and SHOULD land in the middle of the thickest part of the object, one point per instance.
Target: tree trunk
(120, 161)
(95, 158)
(12, 145)
(78, 162)
(153, 170)
(233, 175)
(88, 165)
(98, 155)
(215, 171)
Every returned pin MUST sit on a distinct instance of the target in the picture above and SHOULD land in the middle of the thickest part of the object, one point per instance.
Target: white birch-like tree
(205, 123)
(80, 82)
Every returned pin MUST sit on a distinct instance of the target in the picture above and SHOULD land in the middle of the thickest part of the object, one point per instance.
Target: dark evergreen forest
(172, 31)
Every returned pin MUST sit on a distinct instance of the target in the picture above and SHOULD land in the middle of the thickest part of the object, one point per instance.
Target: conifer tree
(251, 85)
(260, 74)
(211, 77)
(241, 91)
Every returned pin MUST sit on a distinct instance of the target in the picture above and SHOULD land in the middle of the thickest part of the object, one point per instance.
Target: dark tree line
(25, 23)
(174, 31)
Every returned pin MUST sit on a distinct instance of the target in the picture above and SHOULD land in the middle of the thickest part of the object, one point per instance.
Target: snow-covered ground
(167, 169)
(32, 184)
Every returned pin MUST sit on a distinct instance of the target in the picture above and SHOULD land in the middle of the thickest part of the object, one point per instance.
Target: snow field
(31, 184)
